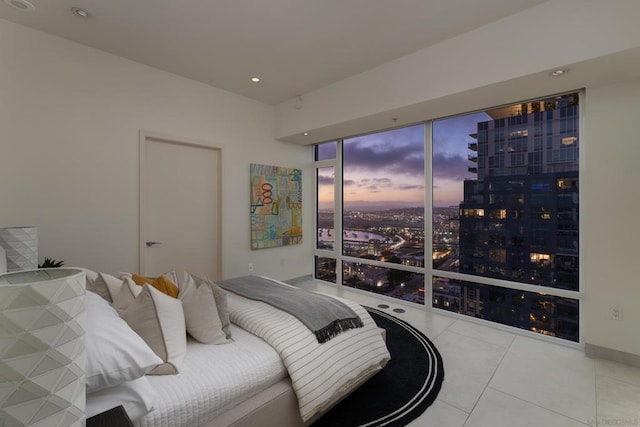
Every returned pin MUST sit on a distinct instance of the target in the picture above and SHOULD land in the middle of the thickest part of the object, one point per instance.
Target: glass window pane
(545, 314)
(383, 196)
(326, 197)
(326, 269)
(325, 151)
(399, 284)
(504, 205)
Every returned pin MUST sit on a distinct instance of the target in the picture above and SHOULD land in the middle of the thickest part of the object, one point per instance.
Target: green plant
(51, 263)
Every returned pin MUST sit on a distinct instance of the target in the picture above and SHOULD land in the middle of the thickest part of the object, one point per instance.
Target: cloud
(348, 182)
(382, 180)
(409, 187)
(325, 180)
(400, 151)
(376, 185)
(451, 135)
(452, 167)
(412, 164)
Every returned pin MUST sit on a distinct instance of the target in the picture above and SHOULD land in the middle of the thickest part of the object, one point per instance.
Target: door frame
(144, 136)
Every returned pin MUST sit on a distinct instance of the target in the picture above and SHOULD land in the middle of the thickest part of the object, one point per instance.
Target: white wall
(70, 118)
(611, 236)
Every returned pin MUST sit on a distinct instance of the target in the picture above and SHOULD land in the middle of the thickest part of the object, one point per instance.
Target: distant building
(375, 247)
(456, 296)
(368, 275)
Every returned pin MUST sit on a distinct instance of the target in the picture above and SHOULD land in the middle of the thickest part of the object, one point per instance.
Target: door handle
(152, 243)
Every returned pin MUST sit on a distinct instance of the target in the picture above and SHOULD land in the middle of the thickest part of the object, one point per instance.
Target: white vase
(3, 260)
(42, 352)
(21, 245)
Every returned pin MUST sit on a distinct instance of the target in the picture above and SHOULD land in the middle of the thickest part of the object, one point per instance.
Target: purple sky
(386, 168)
(450, 161)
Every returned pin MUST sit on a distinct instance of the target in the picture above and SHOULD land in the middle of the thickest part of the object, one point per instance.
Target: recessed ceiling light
(558, 72)
(255, 79)
(80, 12)
(306, 134)
(20, 4)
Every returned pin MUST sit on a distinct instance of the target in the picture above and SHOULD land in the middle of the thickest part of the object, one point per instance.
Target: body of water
(327, 235)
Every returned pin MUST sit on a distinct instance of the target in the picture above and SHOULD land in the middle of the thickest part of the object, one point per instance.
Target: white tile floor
(495, 378)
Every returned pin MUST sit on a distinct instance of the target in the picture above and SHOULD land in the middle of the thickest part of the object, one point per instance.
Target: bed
(274, 373)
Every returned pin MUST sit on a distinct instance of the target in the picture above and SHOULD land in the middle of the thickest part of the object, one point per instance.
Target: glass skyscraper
(519, 218)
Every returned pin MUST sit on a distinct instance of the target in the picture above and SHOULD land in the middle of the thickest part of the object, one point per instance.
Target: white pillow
(126, 295)
(115, 353)
(107, 286)
(137, 397)
(220, 295)
(159, 320)
(90, 275)
(172, 276)
(200, 311)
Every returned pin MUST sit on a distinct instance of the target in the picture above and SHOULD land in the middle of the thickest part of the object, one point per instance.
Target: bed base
(276, 406)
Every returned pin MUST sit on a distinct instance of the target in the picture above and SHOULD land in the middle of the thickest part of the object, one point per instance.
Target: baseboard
(300, 279)
(595, 351)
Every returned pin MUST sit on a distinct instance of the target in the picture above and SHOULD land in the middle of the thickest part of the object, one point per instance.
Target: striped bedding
(212, 380)
(321, 374)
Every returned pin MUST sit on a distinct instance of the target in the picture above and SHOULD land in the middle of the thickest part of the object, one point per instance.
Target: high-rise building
(519, 218)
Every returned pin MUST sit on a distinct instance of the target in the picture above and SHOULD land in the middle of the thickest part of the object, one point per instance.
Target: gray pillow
(220, 295)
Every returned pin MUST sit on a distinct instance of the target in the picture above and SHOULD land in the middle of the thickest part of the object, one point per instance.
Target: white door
(179, 208)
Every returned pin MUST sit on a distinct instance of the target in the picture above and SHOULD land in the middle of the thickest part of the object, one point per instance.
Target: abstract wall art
(276, 206)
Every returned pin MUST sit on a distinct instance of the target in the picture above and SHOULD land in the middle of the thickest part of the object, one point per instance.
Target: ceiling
(294, 46)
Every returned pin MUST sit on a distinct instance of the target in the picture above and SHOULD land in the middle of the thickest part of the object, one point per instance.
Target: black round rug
(401, 391)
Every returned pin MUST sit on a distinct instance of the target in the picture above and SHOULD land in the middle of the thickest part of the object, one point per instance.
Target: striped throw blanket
(321, 374)
(326, 317)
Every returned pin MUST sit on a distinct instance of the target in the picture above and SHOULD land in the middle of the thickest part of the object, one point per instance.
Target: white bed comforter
(212, 380)
(321, 374)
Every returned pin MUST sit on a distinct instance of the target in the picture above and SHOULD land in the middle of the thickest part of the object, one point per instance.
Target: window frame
(427, 270)
(337, 207)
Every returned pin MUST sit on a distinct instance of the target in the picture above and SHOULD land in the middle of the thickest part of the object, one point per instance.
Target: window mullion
(337, 212)
(428, 215)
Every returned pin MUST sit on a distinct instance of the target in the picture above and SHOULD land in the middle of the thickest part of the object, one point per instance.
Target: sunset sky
(385, 169)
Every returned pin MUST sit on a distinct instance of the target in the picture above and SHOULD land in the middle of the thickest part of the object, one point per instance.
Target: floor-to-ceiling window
(503, 191)
(370, 212)
(505, 215)
(325, 158)
(383, 193)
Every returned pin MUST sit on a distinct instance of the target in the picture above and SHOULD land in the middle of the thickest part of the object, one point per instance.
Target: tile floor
(495, 378)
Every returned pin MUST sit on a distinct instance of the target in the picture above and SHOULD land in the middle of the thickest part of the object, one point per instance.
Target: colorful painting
(276, 206)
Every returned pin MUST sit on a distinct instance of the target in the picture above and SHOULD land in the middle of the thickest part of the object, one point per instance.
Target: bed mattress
(212, 380)
(321, 374)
